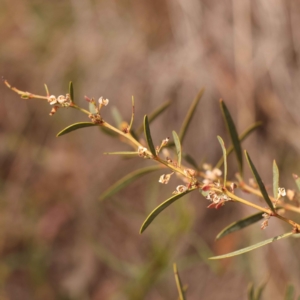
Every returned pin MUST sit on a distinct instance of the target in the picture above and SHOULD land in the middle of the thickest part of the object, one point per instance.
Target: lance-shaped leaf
(148, 136)
(126, 180)
(178, 147)
(242, 137)
(289, 292)
(297, 180)
(253, 247)
(116, 116)
(189, 115)
(125, 153)
(154, 115)
(238, 225)
(92, 108)
(161, 207)
(275, 179)
(47, 90)
(71, 91)
(75, 127)
(224, 158)
(233, 135)
(132, 114)
(189, 159)
(178, 283)
(259, 290)
(259, 182)
(250, 291)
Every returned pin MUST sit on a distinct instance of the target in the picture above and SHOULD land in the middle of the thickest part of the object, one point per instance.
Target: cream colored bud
(164, 179)
(142, 151)
(103, 102)
(181, 188)
(281, 192)
(61, 99)
(52, 100)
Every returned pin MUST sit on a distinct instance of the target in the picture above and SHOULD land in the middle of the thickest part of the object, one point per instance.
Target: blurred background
(57, 240)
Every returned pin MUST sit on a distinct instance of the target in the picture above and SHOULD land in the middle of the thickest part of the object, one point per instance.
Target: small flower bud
(181, 189)
(165, 142)
(281, 192)
(164, 179)
(142, 151)
(61, 99)
(52, 100)
(103, 102)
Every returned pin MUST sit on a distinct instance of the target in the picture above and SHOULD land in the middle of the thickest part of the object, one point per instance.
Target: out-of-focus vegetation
(57, 240)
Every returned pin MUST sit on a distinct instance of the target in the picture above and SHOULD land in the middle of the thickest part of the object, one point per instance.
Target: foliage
(218, 189)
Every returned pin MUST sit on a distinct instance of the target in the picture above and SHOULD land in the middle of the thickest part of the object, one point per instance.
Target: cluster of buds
(217, 198)
(211, 175)
(60, 101)
(143, 152)
(96, 117)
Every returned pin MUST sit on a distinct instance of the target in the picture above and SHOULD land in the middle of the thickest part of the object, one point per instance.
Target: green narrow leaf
(189, 116)
(154, 115)
(71, 91)
(289, 292)
(132, 114)
(47, 90)
(250, 291)
(235, 226)
(122, 153)
(75, 127)
(242, 137)
(92, 108)
(123, 182)
(233, 135)
(161, 207)
(275, 179)
(297, 180)
(259, 182)
(178, 147)
(189, 159)
(259, 291)
(116, 116)
(178, 283)
(224, 158)
(252, 247)
(148, 136)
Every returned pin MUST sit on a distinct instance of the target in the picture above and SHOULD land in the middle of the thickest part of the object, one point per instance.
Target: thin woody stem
(136, 143)
(265, 210)
(79, 108)
(256, 192)
(25, 94)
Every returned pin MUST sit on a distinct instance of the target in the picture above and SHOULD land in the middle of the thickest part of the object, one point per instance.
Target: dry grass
(56, 240)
